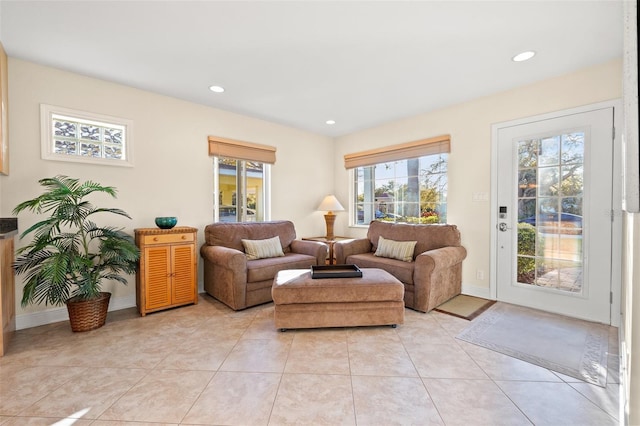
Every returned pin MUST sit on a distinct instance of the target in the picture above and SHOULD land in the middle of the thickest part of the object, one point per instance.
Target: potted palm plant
(70, 256)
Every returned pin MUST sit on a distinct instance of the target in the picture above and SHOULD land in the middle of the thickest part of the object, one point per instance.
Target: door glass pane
(550, 228)
(549, 151)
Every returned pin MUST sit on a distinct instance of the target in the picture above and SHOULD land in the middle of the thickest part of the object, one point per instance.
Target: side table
(328, 242)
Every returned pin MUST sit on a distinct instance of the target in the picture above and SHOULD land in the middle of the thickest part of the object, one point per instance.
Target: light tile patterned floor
(208, 365)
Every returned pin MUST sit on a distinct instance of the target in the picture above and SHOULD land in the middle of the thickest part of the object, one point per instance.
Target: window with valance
(401, 183)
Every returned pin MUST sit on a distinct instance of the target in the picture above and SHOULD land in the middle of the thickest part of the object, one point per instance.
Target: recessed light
(330, 122)
(216, 89)
(524, 56)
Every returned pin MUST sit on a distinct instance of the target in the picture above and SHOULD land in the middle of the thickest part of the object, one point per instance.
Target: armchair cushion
(262, 249)
(401, 250)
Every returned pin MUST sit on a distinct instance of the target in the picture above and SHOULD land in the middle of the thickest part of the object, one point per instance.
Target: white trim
(266, 182)
(216, 189)
(474, 290)
(625, 376)
(616, 249)
(46, 117)
(630, 143)
(60, 314)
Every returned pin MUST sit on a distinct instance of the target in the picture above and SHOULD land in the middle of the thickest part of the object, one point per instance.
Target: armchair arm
(443, 257)
(344, 249)
(225, 275)
(312, 248)
(437, 276)
(224, 257)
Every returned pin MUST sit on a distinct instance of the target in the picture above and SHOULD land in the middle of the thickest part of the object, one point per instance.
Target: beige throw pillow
(261, 249)
(401, 250)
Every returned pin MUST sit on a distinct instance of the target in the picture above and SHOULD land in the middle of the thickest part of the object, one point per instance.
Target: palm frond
(114, 211)
(115, 277)
(89, 187)
(69, 254)
(49, 282)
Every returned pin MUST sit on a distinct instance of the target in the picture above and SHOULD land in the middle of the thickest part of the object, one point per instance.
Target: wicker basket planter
(85, 315)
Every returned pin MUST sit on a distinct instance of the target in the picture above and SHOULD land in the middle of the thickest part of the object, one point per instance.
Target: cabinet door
(184, 273)
(157, 270)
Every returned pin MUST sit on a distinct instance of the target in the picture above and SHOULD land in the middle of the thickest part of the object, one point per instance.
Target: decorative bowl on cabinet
(166, 222)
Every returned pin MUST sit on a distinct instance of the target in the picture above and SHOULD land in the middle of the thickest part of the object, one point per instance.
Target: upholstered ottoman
(376, 298)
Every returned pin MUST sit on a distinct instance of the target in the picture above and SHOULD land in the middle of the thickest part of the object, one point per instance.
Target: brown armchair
(432, 277)
(240, 283)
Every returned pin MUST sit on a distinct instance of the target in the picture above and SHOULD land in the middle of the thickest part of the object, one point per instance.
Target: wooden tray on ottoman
(335, 271)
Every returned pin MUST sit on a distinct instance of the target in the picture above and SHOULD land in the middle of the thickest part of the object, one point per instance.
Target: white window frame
(266, 182)
(353, 222)
(47, 141)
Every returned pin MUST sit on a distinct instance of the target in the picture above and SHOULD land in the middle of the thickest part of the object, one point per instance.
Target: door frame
(616, 236)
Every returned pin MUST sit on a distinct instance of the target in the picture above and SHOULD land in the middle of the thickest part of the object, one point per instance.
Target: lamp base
(330, 219)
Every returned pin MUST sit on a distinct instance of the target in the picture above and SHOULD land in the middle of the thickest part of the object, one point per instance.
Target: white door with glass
(554, 214)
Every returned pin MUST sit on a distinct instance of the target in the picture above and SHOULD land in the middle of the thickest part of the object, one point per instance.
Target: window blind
(430, 146)
(240, 150)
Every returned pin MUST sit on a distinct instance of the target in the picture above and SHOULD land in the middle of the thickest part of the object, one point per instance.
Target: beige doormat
(569, 346)
(463, 306)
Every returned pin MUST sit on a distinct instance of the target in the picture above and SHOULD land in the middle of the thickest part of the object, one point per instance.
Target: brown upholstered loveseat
(432, 277)
(240, 283)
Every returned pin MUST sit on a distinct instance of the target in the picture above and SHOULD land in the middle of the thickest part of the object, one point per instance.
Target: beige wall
(173, 172)
(469, 125)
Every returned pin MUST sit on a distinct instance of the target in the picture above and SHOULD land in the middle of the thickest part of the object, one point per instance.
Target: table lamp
(330, 204)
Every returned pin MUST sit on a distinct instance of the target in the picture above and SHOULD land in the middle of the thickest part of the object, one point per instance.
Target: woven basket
(85, 315)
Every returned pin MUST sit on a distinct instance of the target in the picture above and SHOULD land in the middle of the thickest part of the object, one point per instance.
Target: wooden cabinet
(167, 272)
(7, 293)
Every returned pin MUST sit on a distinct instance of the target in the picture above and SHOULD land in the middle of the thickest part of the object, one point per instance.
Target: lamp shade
(330, 203)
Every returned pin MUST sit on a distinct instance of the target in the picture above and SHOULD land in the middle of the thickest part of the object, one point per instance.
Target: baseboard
(60, 314)
(624, 377)
(473, 290)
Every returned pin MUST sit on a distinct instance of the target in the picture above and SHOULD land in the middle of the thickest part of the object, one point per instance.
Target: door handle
(502, 226)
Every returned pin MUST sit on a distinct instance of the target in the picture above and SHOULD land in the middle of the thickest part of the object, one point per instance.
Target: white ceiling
(300, 63)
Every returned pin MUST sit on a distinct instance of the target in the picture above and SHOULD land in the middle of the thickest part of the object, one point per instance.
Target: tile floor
(208, 365)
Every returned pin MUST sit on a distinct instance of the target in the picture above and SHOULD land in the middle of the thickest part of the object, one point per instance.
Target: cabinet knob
(184, 237)
(155, 238)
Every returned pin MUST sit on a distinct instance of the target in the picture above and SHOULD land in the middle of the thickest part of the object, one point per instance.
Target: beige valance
(230, 148)
(430, 146)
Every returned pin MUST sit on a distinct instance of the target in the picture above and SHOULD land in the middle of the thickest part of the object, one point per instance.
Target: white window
(242, 188)
(241, 180)
(78, 136)
(412, 190)
(400, 183)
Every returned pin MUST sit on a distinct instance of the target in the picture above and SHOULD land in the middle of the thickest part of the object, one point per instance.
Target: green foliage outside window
(527, 252)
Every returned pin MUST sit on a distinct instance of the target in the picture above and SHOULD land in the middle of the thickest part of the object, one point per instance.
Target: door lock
(502, 226)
